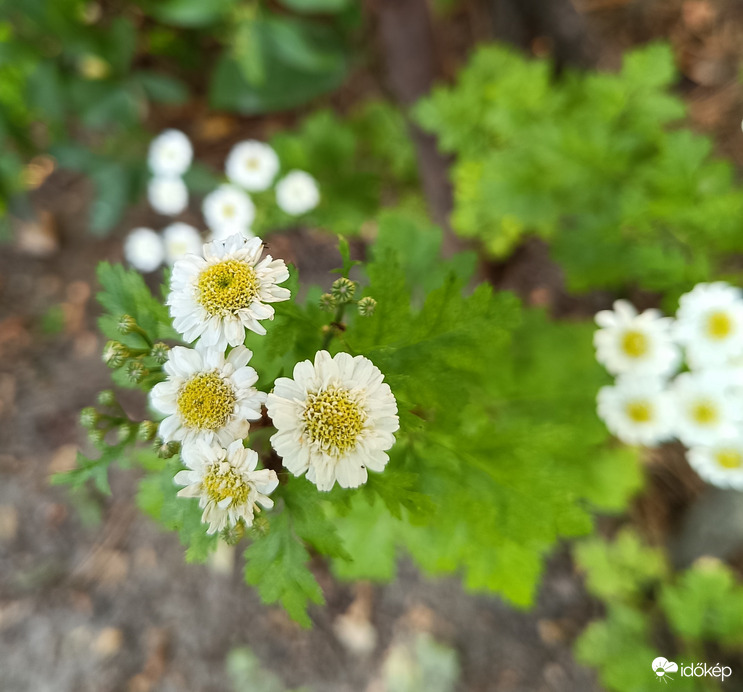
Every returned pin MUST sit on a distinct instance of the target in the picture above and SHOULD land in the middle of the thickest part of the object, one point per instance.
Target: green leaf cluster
(693, 616)
(587, 161)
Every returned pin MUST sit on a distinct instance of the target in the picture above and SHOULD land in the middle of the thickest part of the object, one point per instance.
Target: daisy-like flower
(335, 420)
(167, 196)
(219, 296)
(720, 464)
(228, 210)
(226, 482)
(628, 343)
(252, 165)
(709, 323)
(181, 239)
(708, 407)
(207, 396)
(637, 410)
(297, 193)
(170, 154)
(143, 249)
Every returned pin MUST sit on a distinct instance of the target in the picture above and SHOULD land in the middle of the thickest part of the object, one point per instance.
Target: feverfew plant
(703, 406)
(392, 410)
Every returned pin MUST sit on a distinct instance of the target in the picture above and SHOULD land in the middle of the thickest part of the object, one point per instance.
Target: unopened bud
(327, 302)
(126, 324)
(233, 534)
(343, 289)
(88, 417)
(96, 436)
(137, 371)
(165, 450)
(160, 352)
(147, 430)
(124, 432)
(115, 354)
(107, 398)
(367, 306)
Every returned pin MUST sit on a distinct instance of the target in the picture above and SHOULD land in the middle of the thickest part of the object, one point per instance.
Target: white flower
(170, 154)
(637, 410)
(628, 343)
(143, 249)
(707, 408)
(335, 420)
(228, 210)
(709, 322)
(720, 464)
(181, 239)
(227, 483)
(297, 193)
(207, 397)
(252, 165)
(221, 295)
(167, 196)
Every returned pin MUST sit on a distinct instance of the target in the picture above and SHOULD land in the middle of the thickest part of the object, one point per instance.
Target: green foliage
(359, 161)
(697, 611)
(589, 163)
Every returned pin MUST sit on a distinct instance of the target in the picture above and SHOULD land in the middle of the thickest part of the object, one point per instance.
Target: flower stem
(333, 326)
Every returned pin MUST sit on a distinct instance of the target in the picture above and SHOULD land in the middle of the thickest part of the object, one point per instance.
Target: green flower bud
(147, 430)
(124, 432)
(160, 352)
(327, 302)
(107, 398)
(88, 417)
(136, 371)
(367, 306)
(96, 436)
(233, 534)
(127, 324)
(165, 450)
(115, 354)
(343, 289)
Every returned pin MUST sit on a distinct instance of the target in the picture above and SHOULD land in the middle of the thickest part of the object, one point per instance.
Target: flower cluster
(652, 402)
(251, 166)
(335, 419)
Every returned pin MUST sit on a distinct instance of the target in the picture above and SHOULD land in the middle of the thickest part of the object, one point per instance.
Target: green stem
(331, 332)
(138, 330)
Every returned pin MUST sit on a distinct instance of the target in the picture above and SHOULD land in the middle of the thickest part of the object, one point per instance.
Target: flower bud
(124, 432)
(127, 324)
(343, 289)
(137, 371)
(147, 430)
(367, 306)
(88, 417)
(107, 398)
(165, 450)
(327, 302)
(232, 534)
(96, 436)
(160, 352)
(115, 354)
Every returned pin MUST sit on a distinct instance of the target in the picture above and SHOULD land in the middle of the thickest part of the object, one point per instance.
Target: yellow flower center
(228, 211)
(634, 343)
(225, 288)
(334, 420)
(719, 325)
(252, 164)
(704, 413)
(729, 458)
(222, 481)
(639, 411)
(206, 401)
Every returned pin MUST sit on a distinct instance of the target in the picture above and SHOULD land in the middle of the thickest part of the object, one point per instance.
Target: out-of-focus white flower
(167, 196)
(181, 239)
(143, 249)
(628, 343)
(720, 464)
(297, 193)
(207, 396)
(709, 323)
(170, 154)
(252, 165)
(228, 210)
(708, 409)
(228, 291)
(335, 419)
(637, 410)
(227, 483)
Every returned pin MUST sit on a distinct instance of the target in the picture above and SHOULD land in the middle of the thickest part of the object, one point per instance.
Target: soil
(110, 605)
